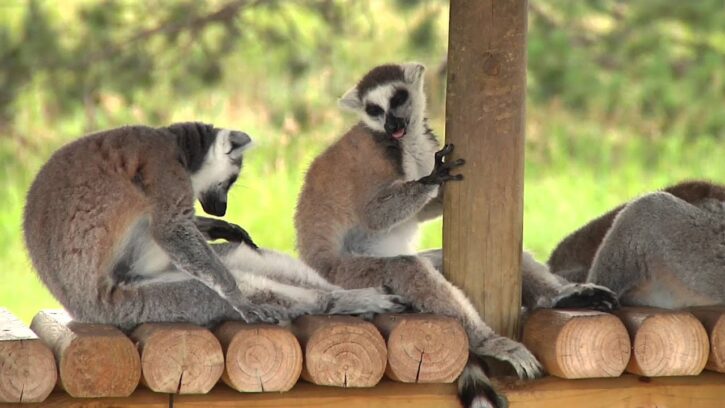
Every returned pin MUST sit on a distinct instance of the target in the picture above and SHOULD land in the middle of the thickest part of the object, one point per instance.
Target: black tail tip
(475, 389)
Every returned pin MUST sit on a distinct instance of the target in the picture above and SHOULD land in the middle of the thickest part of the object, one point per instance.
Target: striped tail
(475, 389)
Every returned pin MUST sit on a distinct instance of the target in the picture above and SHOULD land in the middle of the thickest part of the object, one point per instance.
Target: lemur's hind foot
(588, 296)
(504, 349)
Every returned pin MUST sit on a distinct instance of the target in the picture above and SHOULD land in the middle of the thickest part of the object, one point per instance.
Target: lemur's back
(336, 182)
(85, 197)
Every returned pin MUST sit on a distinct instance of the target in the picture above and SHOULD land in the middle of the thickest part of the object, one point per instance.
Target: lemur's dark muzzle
(213, 204)
(394, 125)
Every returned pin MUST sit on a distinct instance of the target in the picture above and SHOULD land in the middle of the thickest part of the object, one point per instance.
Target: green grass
(575, 170)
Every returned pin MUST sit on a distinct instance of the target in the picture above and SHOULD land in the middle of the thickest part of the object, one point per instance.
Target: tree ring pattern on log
(182, 361)
(593, 346)
(27, 371)
(345, 355)
(669, 344)
(263, 358)
(421, 351)
(99, 366)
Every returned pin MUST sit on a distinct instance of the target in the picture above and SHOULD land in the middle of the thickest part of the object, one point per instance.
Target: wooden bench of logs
(188, 365)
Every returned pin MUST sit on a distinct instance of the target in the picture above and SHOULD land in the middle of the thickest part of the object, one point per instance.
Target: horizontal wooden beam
(706, 390)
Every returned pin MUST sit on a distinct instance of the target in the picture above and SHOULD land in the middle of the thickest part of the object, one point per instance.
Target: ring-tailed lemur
(664, 249)
(362, 201)
(110, 227)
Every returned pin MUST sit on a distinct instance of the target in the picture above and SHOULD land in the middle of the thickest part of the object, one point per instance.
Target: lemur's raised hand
(362, 201)
(663, 249)
(110, 228)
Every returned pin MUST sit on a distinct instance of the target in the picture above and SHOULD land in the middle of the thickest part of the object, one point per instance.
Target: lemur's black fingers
(451, 177)
(458, 163)
(445, 151)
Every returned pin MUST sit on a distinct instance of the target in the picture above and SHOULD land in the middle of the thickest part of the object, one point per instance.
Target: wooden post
(423, 348)
(94, 360)
(260, 357)
(343, 351)
(27, 366)
(485, 118)
(578, 344)
(178, 357)
(664, 342)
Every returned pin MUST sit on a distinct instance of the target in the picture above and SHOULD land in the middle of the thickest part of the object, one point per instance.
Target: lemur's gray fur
(110, 228)
(664, 249)
(364, 197)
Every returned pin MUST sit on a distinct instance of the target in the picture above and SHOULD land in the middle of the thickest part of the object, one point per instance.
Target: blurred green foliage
(624, 97)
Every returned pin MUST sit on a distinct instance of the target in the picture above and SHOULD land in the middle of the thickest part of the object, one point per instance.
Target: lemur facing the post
(664, 249)
(361, 204)
(110, 227)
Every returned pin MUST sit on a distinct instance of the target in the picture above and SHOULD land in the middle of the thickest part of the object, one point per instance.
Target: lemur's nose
(393, 123)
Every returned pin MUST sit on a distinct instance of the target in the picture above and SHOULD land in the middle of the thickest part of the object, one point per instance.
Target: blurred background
(623, 97)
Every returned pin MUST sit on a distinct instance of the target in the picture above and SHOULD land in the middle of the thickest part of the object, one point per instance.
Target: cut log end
(260, 358)
(178, 358)
(94, 360)
(423, 348)
(665, 343)
(713, 319)
(578, 344)
(27, 367)
(341, 351)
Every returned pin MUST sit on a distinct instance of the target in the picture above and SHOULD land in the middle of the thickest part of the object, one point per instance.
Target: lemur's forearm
(396, 203)
(433, 209)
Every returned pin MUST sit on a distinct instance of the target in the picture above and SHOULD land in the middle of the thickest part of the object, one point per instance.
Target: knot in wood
(491, 64)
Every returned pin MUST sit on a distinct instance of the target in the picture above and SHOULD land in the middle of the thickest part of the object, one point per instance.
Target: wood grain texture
(259, 357)
(27, 366)
(343, 351)
(423, 348)
(178, 357)
(485, 120)
(627, 391)
(664, 342)
(141, 398)
(578, 343)
(94, 360)
(713, 319)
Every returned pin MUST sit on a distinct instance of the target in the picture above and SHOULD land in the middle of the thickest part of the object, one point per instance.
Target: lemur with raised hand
(111, 229)
(664, 249)
(362, 202)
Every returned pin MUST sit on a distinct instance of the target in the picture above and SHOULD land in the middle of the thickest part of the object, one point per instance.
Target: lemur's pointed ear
(350, 100)
(237, 142)
(413, 73)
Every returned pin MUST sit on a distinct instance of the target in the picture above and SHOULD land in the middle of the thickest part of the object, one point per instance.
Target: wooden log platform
(259, 357)
(665, 342)
(628, 391)
(423, 348)
(178, 357)
(27, 366)
(578, 344)
(343, 351)
(713, 319)
(94, 360)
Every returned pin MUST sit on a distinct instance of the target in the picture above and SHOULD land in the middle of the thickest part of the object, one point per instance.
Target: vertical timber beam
(485, 118)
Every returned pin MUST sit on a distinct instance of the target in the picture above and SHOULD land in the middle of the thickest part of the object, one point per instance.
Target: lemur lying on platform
(664, 249)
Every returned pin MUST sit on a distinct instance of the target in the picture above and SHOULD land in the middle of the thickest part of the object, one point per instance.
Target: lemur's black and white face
(219, 170)
(389, 98)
